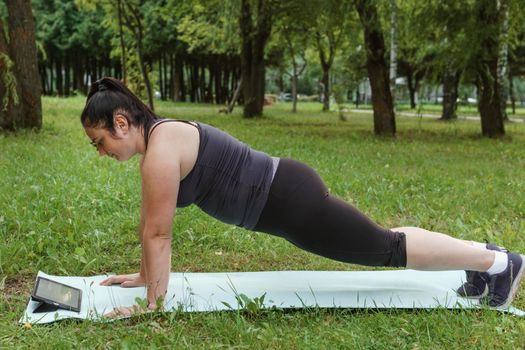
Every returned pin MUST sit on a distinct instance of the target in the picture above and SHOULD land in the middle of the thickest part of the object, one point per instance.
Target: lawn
(64, 210)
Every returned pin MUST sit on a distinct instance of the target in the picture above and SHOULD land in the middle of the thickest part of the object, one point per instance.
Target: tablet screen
(57, 292)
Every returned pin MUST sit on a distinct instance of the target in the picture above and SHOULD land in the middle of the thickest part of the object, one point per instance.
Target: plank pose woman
(185, 163)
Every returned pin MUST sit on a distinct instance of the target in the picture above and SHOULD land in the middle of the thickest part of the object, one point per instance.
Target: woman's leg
(301, 210)
(427, 250)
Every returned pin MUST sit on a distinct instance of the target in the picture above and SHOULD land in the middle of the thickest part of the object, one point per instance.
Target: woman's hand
(125, 281)
(127, 311)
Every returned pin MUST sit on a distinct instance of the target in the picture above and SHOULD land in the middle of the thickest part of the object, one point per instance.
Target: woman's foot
(476, 284)
(503, 286)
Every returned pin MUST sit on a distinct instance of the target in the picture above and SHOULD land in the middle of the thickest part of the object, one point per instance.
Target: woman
(187, 162)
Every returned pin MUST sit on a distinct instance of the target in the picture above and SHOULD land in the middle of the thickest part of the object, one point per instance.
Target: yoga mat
(193, 292)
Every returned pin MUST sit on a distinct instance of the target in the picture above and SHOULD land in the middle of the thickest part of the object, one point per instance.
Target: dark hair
(108, 96)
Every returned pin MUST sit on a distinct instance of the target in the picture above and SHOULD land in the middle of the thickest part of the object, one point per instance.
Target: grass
(64, 210)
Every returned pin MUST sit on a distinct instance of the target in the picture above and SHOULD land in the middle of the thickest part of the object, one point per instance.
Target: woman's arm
(160, 186)
(132, 280)
(142, 272)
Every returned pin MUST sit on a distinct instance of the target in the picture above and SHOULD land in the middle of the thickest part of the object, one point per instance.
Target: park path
(433, 116)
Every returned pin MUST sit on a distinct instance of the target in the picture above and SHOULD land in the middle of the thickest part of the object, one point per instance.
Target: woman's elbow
(157, 232)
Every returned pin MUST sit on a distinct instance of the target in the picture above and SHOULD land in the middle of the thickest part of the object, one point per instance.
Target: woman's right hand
(125, 281)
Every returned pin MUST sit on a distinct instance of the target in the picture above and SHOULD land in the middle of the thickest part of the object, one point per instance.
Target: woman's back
(229, 180)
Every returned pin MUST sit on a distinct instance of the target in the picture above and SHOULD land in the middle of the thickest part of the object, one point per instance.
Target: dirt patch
(18, 286)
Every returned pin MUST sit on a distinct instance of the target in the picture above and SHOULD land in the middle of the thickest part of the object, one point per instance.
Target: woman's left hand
(127, 311)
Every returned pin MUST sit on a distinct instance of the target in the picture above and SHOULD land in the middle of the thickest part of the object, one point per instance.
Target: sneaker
(503, 286)
(476, 284)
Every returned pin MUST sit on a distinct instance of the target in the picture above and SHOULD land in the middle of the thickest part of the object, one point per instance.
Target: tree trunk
(133, 21)
(194, 79)
(202, 84)
(489, 104)
(326, 88)
(254, 39)
(384, 118)
(225, 85)
(166, 86)
(172, 83)
(357, 97)
(235, 97)
(21, 50)
(393, 52)
(59, 77)
(145, 74)
(489, 86)
(122, 44)
(294, 91)
(74, 68)
(326, 64)
(215, 71)
(179, 68)
(161, 79)
(79, 75)
(51, 75)
(178, 79)
(42, 71)
(450, 94)
(503, 84)
(512, 95)
(67, 76)
(411, 89)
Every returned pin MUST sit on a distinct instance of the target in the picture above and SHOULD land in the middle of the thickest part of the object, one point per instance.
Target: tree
(255, 23)
(209, 31)
(329, 32)
(349, 69)
(490, 15)
(412, 34)
(393, 48)
(74, 45)
(292, 32)
(132, 17)
(384, 118)
(451, 18)
(20, 87)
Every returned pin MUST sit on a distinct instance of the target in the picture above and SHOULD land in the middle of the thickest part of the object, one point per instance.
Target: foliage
(66, 26)
(8, 80)
(208, 27)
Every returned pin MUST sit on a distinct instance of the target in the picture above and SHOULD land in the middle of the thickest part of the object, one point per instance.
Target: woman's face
(119, 145)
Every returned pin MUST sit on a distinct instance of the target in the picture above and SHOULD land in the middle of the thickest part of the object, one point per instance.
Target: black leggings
(300, 209)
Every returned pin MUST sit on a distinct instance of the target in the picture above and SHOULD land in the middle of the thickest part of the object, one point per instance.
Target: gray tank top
(230, 181)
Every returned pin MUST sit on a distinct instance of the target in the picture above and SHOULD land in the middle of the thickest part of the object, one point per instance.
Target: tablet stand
(45, 307)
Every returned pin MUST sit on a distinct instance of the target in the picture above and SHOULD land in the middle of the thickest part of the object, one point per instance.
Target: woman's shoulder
(174, 141)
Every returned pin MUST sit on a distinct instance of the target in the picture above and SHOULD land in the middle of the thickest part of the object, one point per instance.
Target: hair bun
(102, 87)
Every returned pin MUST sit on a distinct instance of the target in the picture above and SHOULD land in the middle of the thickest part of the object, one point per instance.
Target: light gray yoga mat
(192, 292)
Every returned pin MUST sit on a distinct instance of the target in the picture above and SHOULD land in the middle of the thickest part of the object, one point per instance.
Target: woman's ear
(121, 122)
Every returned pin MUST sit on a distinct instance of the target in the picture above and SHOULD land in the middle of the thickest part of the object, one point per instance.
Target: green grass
(64, 210)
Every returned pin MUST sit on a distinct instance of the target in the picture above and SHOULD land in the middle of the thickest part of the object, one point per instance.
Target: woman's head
(113, 119)
(108, 97)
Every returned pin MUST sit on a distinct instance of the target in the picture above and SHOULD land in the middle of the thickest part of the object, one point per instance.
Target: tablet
(58, 294)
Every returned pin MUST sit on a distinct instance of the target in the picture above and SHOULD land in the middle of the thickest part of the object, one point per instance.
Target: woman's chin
(122, 158)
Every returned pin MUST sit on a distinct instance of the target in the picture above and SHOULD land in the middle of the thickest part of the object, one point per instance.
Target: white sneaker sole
(476, 297)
